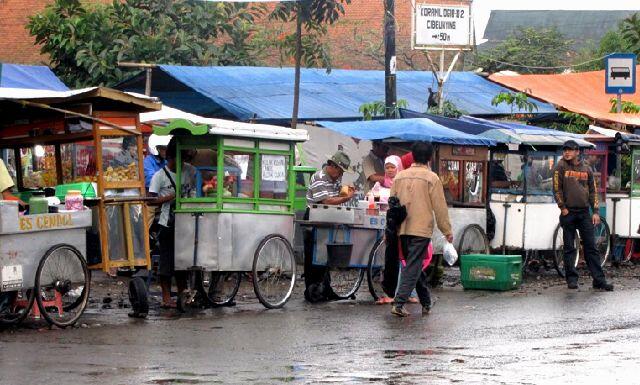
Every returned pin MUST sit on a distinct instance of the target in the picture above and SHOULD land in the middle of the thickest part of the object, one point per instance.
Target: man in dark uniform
(575, 191)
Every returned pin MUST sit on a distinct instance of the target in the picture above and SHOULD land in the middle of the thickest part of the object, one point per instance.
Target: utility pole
(390, 59)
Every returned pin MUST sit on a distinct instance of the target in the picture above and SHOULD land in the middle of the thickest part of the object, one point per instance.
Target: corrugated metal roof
(581, 92)
(31, 77)
(265, 93)
(578, 26)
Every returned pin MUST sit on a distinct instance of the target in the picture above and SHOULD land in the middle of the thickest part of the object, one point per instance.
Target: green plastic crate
(491, 272)
(85, 188)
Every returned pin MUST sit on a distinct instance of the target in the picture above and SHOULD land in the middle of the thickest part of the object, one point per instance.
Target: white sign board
(620, 72)
(274, 168)
(438, 26)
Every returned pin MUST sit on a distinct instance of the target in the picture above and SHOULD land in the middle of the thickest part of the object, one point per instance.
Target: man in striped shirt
(324, 186)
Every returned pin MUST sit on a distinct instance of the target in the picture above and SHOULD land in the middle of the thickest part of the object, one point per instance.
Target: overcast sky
(482, 8)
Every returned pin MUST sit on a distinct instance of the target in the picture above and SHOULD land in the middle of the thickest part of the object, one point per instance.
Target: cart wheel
(15, 306)
(62, 285)
(138, 297)
(375, 269)
(473, 241)
(558, 251)
(274, 271)
(603, 240)
(219, 288)
(345, 282)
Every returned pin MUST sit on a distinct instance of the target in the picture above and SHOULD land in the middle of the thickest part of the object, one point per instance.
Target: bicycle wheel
(274, 271)
(558, 251)
(15, 306)
(473, 241)
(345, 282)
(62, 285)
(602, 237)
(375, 269)
(219, 288)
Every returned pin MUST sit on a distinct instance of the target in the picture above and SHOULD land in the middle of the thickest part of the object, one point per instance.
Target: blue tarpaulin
(406, 130)
(31, 77)
(266, 93)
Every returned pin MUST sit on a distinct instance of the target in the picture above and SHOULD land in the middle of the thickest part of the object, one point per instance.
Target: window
(539, 173)
(450, 178)
(78, 162)
(238, 174)
(474, 182)
(505, 173)
(273, 178)
(38, 167)
(120, 158)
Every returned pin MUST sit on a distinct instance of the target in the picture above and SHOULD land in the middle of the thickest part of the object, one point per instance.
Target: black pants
(581, 221)
(166, 263)
(414, 250)
(391, 264)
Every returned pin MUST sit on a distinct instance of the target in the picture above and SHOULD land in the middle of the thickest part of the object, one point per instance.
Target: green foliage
(513, 100)
(569, 122)
(627, 106)
(449, 110)
(377, 108)
(611, 42)
(85, 43)
(527, 47)
(630, 30)
(315, 16)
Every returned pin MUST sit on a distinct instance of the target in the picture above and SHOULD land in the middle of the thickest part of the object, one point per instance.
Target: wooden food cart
(86, 139)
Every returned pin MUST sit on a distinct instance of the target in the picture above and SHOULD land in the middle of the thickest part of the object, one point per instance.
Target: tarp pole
(390, 110)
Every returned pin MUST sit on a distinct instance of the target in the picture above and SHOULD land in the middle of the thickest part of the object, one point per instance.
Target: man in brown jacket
(575, 191)
(420, 191)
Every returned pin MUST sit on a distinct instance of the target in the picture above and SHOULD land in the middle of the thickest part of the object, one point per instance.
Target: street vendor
(128, 154)
(156, 158)
(324, 188)
(6, 184)
(373, 164)
(163, 188)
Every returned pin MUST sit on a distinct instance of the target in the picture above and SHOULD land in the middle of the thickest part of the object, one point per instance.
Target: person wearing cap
(373, 164)
(574, 189)
(324, 188)
(325, 185)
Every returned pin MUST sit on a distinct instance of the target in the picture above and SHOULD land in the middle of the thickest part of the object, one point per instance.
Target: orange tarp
(581, 93)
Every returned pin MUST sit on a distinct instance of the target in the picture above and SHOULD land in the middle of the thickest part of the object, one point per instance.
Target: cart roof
(406, 130)
(517, 133)
(169, 119)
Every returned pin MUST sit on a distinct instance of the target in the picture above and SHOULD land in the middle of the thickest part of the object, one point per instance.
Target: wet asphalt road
(548, 336)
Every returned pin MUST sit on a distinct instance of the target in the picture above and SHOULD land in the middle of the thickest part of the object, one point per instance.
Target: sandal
(384, 300)
(413, 300)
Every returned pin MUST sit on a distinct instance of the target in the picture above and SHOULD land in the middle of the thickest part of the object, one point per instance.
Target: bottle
(38, 204)
(73, 200)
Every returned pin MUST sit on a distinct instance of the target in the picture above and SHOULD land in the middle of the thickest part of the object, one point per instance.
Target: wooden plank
(47, 139)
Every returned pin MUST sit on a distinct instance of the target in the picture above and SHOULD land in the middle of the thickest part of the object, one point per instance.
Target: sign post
(442, 27)
(620, 76)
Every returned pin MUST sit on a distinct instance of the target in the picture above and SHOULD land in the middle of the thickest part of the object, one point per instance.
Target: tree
(611, 42)
(85, 43)
(526, 48)
(378, 108)
(449, 110)
(630, 30)
(513, 100)
(310, 17)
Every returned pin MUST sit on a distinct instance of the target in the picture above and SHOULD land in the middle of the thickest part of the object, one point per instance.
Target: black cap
(570, 144)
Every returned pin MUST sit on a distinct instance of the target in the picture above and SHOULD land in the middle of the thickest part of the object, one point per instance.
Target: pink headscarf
(396, 161)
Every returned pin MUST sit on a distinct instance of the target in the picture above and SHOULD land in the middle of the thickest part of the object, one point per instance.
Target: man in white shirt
(163, 188)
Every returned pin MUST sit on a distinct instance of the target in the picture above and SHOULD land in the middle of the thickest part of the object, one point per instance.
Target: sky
(482, 8)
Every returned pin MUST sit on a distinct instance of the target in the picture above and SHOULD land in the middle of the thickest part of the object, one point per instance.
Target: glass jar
(73, 200)
(38, 203)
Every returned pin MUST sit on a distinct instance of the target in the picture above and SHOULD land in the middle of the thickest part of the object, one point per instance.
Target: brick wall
(356, 41)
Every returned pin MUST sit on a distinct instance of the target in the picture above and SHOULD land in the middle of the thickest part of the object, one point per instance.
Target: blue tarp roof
(406, 129)
(32, 77)
(468, 127)
(266, 93)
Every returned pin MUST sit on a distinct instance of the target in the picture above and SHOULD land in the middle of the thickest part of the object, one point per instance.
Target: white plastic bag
(450, 254)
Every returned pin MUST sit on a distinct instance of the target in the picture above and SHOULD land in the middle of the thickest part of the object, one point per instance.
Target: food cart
(86, 140)
(460, 160)
(235, 211)
(521, 195)
(616, 159)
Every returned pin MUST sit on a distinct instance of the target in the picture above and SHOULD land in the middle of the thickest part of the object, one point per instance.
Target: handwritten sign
(274, 168)
(45, 222)
(442, 25)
